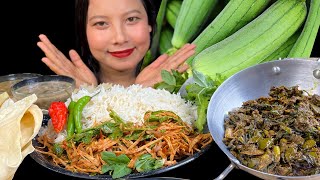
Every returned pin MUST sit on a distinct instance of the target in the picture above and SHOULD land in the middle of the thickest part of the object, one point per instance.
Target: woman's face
(118, 33)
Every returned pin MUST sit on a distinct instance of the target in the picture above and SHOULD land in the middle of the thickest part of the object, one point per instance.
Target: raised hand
(61, 65)
(151, 74)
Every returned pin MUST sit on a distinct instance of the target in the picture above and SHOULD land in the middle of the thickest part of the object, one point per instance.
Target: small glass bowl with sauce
(47, 88)
(6, 81)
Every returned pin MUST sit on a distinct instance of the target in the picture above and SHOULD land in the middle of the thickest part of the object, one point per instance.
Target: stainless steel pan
(253, 83)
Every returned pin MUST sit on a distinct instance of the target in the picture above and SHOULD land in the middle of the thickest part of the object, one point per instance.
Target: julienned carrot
(172, 142)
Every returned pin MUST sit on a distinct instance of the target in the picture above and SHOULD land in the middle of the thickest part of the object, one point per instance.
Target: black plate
(46, 162)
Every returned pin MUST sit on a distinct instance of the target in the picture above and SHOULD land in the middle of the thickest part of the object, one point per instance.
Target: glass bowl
(9, 80)
(48, 88)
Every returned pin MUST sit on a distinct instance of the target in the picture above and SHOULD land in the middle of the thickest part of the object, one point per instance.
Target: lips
(122, 54)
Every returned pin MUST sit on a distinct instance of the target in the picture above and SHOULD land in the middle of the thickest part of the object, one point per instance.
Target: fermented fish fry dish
(120, 130)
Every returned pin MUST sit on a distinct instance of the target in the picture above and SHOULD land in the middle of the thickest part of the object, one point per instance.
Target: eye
(101, 24)
(132, 19)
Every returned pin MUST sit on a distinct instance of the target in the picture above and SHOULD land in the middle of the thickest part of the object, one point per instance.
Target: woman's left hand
(151, 74)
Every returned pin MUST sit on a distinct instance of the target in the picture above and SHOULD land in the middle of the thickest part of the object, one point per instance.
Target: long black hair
(81, 12)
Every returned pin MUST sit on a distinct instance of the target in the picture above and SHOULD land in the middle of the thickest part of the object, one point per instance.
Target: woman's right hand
(61, 65)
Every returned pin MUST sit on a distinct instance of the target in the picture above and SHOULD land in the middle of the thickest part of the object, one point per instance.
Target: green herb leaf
(85, 136)
(111, 158)
(57, 149)
(116, 165)
(88, 136)
(200, 93)
(200, 79)
(116, 134)
(168, 77)
(106, 168)
(172, 82)
(146, 163)
(134, 136)
(165, 86)
(109, 127)
(120, 170)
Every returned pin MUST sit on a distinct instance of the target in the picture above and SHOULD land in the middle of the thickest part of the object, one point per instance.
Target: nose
(119, 34)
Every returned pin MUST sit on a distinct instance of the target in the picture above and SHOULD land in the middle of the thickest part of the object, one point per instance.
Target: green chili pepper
(77, 112)
(70, 123)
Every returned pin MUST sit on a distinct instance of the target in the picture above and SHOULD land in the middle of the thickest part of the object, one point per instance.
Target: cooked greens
(279, 134)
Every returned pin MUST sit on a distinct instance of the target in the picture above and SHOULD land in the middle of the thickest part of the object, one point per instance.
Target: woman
(114, 37)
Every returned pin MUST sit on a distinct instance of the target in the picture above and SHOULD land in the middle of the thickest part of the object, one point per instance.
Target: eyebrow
(129, 12)
(133, 11)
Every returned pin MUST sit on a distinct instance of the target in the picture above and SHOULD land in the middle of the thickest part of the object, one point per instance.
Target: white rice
(129, 103)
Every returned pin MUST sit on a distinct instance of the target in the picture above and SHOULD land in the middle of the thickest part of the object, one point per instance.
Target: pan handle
(225, 172)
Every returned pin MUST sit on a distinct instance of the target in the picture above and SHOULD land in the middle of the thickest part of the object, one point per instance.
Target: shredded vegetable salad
(120, 146)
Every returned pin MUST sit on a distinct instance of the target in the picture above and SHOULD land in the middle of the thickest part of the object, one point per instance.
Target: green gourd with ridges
(192, 17)
(283, 51)
(172, 11)
(253, 42)
(303, 46)
(235, 15)
(165, 39)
